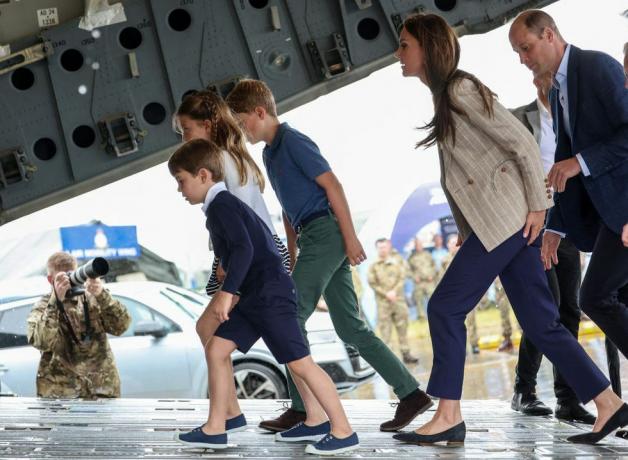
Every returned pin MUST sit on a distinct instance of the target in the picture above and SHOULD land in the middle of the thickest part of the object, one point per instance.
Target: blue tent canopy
(426, 204)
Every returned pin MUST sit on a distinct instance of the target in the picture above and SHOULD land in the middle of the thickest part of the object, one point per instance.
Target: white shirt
(560, 80)
(561, 84)
(547, 140)
(249, 193)
(211, 194)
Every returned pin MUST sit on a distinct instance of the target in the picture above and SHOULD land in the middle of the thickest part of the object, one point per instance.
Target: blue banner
(89, 241)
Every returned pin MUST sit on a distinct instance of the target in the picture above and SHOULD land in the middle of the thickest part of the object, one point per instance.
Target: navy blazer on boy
(598, 119)
(243, 243)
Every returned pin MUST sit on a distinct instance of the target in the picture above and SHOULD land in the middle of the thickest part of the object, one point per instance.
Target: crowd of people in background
(425, 267)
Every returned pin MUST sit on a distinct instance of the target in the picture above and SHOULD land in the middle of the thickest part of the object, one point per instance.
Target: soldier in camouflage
(76, 360)
(503, 305)
(386, 277)
(424, 274)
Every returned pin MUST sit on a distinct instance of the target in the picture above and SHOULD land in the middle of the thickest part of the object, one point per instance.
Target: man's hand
(562, 171)
(624, 235)
(61, 285)
(549, 249)
(94, 286)
(354, 251)
(391, 296)
(220, 306)
(534, 225)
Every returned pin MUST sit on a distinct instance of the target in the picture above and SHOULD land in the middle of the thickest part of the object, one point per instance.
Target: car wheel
(257, 381)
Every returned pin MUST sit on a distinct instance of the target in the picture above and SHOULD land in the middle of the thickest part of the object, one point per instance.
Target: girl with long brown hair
(492, 176)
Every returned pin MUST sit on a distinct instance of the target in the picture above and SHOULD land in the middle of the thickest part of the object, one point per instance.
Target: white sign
(47, 17)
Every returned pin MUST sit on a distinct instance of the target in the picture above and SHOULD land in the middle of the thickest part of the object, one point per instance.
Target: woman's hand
(534, 225)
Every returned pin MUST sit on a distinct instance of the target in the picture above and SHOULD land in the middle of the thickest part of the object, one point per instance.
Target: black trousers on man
(564, 282)
(604, 293)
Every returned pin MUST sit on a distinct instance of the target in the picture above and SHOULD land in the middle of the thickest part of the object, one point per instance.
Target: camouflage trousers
(395, 314)
(504, 313)
(420, 296)
(472, 327)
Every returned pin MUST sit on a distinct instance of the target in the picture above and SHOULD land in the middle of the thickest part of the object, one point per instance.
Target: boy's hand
(354, 251)
(624, 235)
(292, 252)
(220, 274)
(220, 306)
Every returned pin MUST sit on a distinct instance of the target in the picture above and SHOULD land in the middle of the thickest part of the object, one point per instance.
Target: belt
(306, 220)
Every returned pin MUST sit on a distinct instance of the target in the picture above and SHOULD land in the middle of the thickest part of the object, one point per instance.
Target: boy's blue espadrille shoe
(235, 424)
(331, 445)
(303, 432)
(196, 438)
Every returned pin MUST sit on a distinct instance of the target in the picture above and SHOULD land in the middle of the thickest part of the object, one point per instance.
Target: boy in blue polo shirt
(315, 209)
(256, 299)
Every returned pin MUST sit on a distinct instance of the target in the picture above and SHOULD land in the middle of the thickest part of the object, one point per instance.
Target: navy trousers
(521, 272)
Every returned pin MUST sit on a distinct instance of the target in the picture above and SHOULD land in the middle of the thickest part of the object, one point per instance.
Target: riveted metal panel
(104, 86)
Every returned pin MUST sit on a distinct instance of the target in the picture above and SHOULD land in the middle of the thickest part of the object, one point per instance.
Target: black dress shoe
(573, 411)
(528, 404)
(618, 420)
(453, 436)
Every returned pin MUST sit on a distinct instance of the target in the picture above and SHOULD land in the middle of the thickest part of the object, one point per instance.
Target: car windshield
(190, 303)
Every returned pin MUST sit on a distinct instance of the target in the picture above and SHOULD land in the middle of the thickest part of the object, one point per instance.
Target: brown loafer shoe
(407, 410)
(284, 422)
(506, 346)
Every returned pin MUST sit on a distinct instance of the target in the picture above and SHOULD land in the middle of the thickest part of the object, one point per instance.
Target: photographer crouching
(70, 326)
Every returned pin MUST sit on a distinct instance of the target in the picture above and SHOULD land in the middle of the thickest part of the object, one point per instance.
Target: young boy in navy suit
(257, 299)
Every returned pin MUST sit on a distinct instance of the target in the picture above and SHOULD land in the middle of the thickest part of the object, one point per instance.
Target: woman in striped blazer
(493, 179)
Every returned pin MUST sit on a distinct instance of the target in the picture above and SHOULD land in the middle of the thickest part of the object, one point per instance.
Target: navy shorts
(270, 313)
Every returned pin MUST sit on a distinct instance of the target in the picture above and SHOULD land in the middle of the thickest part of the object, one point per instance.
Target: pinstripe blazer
(492, 176)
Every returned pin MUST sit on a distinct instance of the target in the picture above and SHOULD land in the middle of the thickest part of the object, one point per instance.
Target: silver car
(159, 356)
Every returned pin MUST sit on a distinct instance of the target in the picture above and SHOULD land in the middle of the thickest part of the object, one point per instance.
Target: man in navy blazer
(590, 173)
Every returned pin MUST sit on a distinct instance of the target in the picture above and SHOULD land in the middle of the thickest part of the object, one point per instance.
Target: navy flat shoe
(235, 424)
(618, 420)
(453, 436)
(196, 438)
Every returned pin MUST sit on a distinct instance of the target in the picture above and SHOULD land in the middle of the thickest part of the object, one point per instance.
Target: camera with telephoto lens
(95, 268)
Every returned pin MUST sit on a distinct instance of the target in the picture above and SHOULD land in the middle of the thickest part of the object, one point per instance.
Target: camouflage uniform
(357, 284)
(71, 370)
(503, 305)
(424, 274)
(389, 275)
